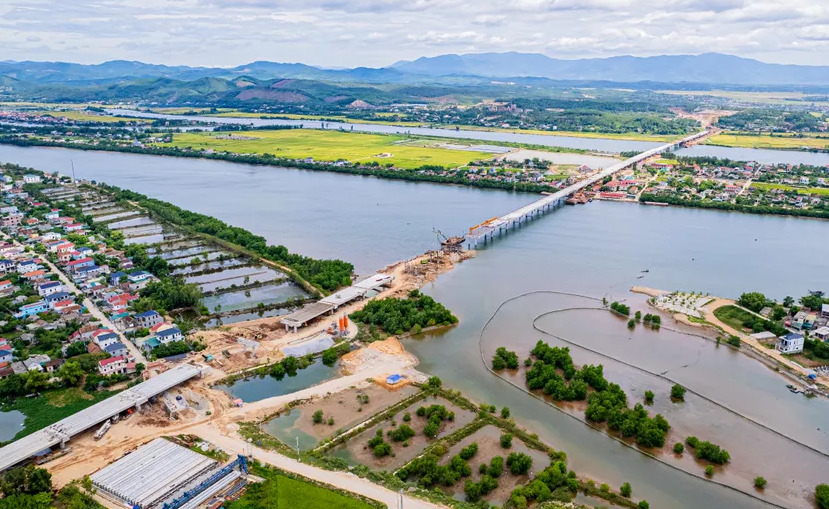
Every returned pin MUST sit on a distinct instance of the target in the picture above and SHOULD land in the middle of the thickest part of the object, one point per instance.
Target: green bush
(626, 490)
(679, 448)
(760, 482)
(506, 440)
(519, 463)
(678, 392)
(822, 496)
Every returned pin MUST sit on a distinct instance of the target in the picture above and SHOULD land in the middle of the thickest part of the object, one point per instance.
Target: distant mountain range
(708, 68)
(713, 68)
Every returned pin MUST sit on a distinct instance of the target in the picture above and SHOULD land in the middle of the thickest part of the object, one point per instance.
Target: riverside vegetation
(554, 373)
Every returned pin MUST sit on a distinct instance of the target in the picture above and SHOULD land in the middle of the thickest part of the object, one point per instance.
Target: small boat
(645, 271)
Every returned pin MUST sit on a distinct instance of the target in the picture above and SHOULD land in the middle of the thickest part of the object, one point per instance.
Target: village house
(790, 343)
(105, 337)
(31, 179)
(822, 333)
(113, 365)
(49, 288)
(147, 319)
(116, 349)
(31, 309)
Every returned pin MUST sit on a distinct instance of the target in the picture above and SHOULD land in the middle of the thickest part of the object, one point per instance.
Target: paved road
(97, 313)
(93, 309)
(343, 480)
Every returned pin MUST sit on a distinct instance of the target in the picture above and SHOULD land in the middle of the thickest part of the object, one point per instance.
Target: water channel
(598, 249)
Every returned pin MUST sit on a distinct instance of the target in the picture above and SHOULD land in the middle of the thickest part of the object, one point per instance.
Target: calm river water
(597, 249)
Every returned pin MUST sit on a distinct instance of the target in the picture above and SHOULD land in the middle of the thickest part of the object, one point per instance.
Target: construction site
(165, 475)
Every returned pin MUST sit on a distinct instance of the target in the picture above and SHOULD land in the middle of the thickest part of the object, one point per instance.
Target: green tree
(754, 301)
(506, 440)
(760, 482)
(678, 392)
(317, 417)
(329, 357)
(679, 448)
(505, 413)
(519, 463)
(822, 496)
(649, 397)
(71, 373)
(626, 490)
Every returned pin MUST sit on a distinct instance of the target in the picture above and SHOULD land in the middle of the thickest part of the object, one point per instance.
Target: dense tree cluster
(519, 463)
(379, 446)
(608, 402)
(435, 414)
(402, 433)
(708, 451)
(620, 308)
(430, 473)
(554, 482)
(397, 316)
(504, 358)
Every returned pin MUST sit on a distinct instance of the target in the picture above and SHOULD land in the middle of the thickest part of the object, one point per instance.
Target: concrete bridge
(488, 229)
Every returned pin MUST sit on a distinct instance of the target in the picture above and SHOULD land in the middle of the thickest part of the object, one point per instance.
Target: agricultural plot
(340, 411)
(488, 440)
(329, 146)
(358, 450)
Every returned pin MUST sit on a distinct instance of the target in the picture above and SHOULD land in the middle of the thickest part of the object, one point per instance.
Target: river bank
(756, 350)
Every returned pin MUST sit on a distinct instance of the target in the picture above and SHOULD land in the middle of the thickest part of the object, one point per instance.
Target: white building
(31, 179)
(790, 343)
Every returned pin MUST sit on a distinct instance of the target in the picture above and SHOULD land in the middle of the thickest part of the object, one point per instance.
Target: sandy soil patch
(651, 292)
(375, 355)
(358, 450)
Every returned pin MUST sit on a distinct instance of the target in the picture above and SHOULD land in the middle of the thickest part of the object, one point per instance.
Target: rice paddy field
(401, 151)
(770, 142)
(83, 116)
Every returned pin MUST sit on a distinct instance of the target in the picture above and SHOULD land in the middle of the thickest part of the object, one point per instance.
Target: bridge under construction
(488, 229)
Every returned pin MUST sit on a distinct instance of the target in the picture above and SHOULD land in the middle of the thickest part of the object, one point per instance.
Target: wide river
(597, 249)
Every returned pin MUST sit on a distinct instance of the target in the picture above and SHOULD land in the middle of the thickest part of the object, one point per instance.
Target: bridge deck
(65, 429)
(489, 227)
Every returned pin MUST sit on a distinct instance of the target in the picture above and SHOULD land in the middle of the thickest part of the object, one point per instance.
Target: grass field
(280, 492)
(818, 191)
(331, 146)
(337, 118)
(53, 406)
(82, 116)
(733, 316)
(770, 142)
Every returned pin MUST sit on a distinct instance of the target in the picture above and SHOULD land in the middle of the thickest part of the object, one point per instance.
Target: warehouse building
(165, 475)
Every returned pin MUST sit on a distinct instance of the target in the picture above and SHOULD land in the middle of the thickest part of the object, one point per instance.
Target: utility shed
(151, 474)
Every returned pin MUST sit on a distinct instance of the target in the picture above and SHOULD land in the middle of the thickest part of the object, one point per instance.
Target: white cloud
(378, 32)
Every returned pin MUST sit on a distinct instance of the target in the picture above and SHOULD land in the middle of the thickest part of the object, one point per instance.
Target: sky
(375, 33)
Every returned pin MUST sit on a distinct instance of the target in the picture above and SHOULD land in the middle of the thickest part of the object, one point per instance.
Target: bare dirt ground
(345, 408)
(358, 448)
(488, 439)
(376, 355)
